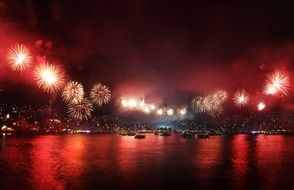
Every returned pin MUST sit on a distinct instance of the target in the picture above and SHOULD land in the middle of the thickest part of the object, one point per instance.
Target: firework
(128, 104)
(241, 98)
(124, 103)
(121, 104)
(132, 103)
(140, 105)
(73, 92)
(100, 94)
(211, 104)
(19, 57)
(49, 77)
(260, 106)
(146, 106)
(135, 104)
(221, 95)
(214, 104)
(183, 111)
(152, 107)
(80, 110)
(160, 112)
(197, 104)
(147, 109)
(277, 83)
(170, 112)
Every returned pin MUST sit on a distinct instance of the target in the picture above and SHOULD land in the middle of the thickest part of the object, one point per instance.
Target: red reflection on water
(105, 147)
(144, 157)
(239, 160)
(269, 149)
(15, 158)
(73, 149)
(269, 160)
(129, 156)
(84, 161)
(44, 164)
(208, 155)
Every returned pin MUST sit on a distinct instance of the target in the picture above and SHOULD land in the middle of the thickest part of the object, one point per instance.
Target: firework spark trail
(100, 94)
(73, 92)
(159, 112)
(170, 112)
(49, 77)
(134, 104)
(182, 111)
(277, 83)
(19, 57)
(81, 110)
(241, 98)
(221, 95)
(211, 104)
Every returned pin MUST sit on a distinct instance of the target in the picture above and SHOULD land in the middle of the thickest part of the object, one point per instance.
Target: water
(119, 162)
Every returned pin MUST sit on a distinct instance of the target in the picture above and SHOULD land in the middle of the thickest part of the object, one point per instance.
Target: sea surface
(120, 162)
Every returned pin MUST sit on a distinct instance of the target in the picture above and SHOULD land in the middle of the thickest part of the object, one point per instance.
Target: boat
(140, 136)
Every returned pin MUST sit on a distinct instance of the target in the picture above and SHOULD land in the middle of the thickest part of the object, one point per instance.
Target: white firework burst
(100, 94)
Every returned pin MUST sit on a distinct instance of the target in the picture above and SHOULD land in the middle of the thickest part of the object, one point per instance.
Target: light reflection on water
(119, 162)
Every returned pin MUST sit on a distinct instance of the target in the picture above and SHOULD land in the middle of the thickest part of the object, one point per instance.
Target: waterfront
(122, 162)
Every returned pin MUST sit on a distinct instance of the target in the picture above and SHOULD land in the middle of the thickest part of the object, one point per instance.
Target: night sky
(166, 51)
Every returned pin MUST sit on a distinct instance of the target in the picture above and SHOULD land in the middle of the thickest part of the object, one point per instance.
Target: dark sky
(167, 51)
